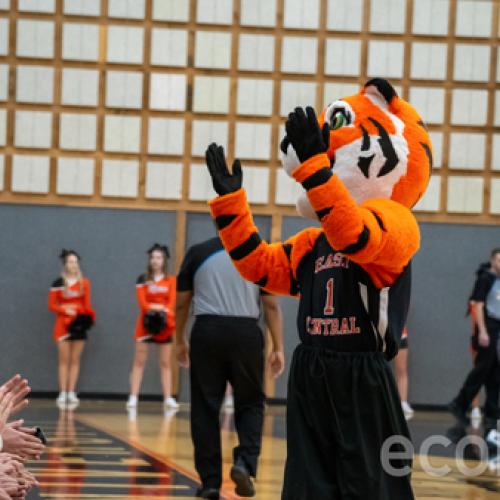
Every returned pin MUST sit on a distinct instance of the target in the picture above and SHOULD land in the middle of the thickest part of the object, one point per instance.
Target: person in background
(156, 323)
(69, 299)
(226, 345)
(486, 304)
(475, 414)
(401, 365)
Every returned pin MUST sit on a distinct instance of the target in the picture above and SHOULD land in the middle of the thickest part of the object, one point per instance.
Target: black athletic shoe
(242, 479)
(210, 493)
(456, 433)
(459, 413)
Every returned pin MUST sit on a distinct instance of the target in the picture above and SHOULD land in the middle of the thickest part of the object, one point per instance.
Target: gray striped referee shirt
(218, 289)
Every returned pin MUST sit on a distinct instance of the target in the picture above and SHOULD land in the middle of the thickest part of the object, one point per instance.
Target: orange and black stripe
(271, 266)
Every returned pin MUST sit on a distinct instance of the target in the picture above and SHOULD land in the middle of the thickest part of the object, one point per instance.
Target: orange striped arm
(271, 266)
(380, 234)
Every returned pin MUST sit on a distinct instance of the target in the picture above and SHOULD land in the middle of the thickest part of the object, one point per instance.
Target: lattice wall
(112, 102)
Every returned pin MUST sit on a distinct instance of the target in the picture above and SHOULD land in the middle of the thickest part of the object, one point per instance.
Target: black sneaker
(242, 479)
(456, 433)
(458, 412)
(210, 493)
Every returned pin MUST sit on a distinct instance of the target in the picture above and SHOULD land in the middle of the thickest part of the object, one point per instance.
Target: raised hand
(223, 181)
(305, 135)
(19, 388)
(20, 391)
(6, 403)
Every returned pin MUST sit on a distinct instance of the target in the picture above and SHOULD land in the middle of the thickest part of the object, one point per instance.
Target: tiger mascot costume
(363, 164)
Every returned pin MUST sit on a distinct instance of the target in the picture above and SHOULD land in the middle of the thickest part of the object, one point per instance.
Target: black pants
(226, 349)
(485, 372)
(342, 407)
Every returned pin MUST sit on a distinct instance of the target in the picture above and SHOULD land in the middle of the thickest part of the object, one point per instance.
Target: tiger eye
(338, 120)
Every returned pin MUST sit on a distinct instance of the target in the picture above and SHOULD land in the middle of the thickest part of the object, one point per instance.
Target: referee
(226, 345)
(486, 301)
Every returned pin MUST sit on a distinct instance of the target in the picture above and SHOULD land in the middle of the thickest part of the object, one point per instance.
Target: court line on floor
(225, 494)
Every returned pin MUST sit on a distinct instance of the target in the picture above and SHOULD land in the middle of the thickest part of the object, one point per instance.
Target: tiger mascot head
(379, 147)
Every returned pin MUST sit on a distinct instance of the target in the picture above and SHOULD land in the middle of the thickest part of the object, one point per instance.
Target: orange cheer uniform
(151, 292)
(76, 295)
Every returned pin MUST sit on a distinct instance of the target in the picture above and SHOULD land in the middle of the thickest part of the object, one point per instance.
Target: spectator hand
(6, 403)
(12, 486)
(223, 181)
(9, 462)
(19, 388)
(21, 441)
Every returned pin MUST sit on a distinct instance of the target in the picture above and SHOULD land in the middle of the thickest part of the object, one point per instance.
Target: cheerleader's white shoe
(171, 403)
(132, 402)
(62, 398)
(73, 398)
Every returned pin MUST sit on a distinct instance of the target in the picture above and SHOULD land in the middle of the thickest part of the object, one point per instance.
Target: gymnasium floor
(99, 451)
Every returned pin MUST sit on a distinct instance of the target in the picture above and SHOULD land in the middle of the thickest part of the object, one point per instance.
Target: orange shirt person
(155, 324)
(156, 295)
(69, 299)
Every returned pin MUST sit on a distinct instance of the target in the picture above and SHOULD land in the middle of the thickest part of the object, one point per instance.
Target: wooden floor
(100, 451)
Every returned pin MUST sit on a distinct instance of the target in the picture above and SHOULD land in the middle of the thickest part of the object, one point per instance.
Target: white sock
(71, 394)
(132, 399)
(63, 394)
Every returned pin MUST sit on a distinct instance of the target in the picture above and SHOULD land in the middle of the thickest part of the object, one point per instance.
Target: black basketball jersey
(341, 309)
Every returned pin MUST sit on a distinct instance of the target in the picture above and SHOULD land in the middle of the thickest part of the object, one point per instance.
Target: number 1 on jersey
(328, 310)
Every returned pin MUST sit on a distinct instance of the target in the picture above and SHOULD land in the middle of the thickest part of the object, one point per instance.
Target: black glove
(305, 135)
(285, 142)
(224, 182)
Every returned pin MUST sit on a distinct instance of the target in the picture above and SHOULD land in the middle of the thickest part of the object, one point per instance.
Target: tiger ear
(381, 90)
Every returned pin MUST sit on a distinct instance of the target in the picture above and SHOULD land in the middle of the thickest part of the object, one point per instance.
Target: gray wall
(112, 244)
(443, 275)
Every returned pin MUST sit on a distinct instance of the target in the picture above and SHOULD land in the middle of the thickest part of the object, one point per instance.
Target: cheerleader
(69, 299)
(155, 324)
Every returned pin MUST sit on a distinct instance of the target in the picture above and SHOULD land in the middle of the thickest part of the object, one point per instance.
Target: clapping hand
(18, 388)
